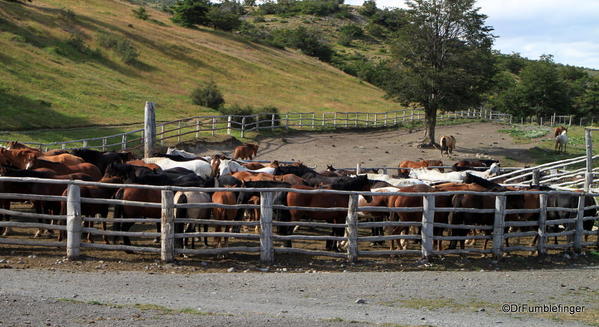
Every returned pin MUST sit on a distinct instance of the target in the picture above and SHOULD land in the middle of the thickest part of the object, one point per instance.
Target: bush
(348, 33)
(222, 19)
(141, 13)
(259, 19)
(310, 43)
(208, 96)
(368, 8)
(122, 46)
(190, 12)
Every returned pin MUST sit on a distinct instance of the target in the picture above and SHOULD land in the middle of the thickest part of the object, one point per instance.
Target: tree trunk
(430, 122)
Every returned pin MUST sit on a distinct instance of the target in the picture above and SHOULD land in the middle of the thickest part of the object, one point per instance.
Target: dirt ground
(386, 148)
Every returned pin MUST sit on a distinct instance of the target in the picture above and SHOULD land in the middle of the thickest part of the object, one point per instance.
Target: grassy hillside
(54, 73)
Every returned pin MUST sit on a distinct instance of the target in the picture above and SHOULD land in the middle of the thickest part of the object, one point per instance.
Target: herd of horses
(182, 168)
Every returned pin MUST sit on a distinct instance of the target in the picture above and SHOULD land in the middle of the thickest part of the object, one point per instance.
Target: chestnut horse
(447, 143)
(246, 151)
(418, 164)
(326, 200)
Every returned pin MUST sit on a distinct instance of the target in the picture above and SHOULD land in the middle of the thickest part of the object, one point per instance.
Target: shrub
(310, 43)
(348, 33)
(259, 19)
(141, 13)
(368, 8)
(236, 110)
(208, 96)
(190, 12)
(122, 46)
(222, 19)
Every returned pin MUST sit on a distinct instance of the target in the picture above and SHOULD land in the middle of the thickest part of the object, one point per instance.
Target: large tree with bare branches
(443, 57)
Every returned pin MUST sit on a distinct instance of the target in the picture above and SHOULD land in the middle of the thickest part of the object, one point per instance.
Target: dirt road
(458, 298)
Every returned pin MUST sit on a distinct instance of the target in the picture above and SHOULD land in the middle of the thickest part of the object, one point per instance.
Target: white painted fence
(266, 247)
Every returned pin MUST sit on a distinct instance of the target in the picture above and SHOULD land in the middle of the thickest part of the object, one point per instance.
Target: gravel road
(431, 298)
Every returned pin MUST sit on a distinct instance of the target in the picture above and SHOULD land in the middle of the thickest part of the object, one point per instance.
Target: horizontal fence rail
(498, 230)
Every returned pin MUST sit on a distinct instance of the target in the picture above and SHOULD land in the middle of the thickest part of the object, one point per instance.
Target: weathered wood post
(352, 228)
(356, 115)
(213, 125)
(197, 128)
(243, 127)
(162, 136)
(588, 175)
(257, 122)
(579, 235)
(229, 125)
(412, 115)
(395, 119)
(313, 121)
(73, 221)
(149, 129)
(553, 119)
(179, 132)
(367, 119)
(498, 225)
(104, 143)
(301, 123)
(323, 121)
(580, 122)
(536, 177)
(385, 123)
(358, 168)
(267, 252)
(124, 142)
(542, 238)
(428, 218)
(335, 120)
(167, 229)
(272, 122)
(375, 119)
(287, 120)
(570, 122)
(84, 145)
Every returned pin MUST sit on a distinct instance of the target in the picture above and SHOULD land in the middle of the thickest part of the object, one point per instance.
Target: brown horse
(61, 169)
(447, 143)
(141, 163)
(226, 197)
(418, 164)
(246, 151)
(253, 165)
(18, 158)
(359, 183)
(63, 158)
(558, 131)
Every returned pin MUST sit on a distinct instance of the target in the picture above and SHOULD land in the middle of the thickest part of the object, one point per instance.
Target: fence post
(73, 221)
(162, 134)
(335, 120)
(167, 229)
(272, 122)
(323, 122)
(124, 142)
(412, 115)
(542, 239)
(367, 119)
(570, 122)
(84, 145)
(498, 225)
(197, 128)
(358, 168)
(313, 121)
(579, 235)
(213, 125)
(229, 125)
(536, 176)
(179, 132)
(580, 121)
(395, 119)
(428, 218)
(588, 176)
(300, 119)
(385, 124)
(242, 126)
(356, 119)
(149, 129)
(257, 122)
(267, 252)
(375, 119)
(553, 119)
(287, 120)
(352, 228)
(104, 142)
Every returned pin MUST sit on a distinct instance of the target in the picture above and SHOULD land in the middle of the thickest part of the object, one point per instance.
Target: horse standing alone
(447, 144)
(561, 141)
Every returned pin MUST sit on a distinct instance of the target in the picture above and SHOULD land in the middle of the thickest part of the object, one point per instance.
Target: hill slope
(54, 73)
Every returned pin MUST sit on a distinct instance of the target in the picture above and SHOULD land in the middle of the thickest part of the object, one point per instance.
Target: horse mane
(472, 179)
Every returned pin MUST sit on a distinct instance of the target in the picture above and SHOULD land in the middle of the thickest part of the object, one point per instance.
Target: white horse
(454, 176)
(185, 154)
(397, 182)
(194, 213)
(200, 167)
(561, 141)
(228, 167)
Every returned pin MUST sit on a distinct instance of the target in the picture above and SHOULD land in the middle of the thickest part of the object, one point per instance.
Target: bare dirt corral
(111, 288)
(386, 148)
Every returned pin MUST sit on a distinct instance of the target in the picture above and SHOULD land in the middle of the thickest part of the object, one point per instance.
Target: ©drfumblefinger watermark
(541, 308)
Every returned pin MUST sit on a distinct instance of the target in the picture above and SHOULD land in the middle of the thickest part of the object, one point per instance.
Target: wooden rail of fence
(168, 251)
(178, 129)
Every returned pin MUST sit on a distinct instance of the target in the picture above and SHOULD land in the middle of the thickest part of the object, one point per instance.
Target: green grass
(526, 131)
(51, 82)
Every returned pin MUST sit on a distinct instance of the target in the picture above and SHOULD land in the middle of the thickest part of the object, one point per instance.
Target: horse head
(331, 168)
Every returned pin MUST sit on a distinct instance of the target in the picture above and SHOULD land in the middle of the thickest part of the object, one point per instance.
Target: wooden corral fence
(573, 219)
(154, 133)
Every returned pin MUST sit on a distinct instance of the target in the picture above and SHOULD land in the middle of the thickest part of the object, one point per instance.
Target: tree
(588, 102)
(190, 12)
(141, 13)
(543, 90)
(208, 96)
(444, 57)
(368, 8)
(223, 19)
